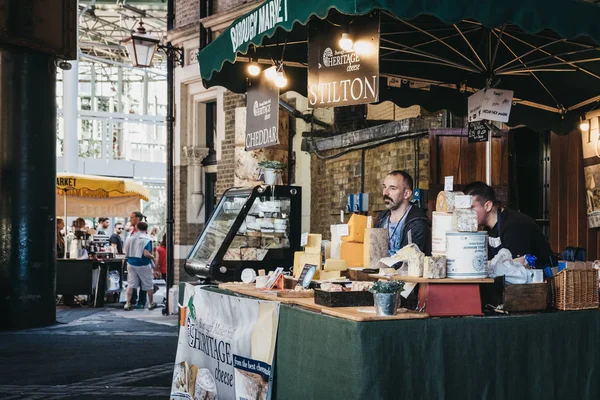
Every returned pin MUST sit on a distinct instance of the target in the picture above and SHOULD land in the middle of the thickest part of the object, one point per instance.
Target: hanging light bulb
(280, 80)
(271, 73)
(253, 69)
(584, 126)
(345, 42)
(363, 48)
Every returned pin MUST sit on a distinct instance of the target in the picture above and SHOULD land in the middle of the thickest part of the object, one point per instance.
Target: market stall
(89, 258)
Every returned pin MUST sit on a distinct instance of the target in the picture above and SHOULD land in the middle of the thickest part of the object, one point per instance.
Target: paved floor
(91, 354)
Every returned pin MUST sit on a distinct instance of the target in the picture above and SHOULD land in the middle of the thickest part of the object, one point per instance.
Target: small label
(304, 239)
(462, 201)
(342, 216)
(343, 230)
(369, 222)
(449, 183)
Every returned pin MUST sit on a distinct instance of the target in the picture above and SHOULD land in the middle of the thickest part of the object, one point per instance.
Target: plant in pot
(271, 171)
(386, 295)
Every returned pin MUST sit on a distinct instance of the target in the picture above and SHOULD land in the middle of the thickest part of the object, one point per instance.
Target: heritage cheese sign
(262, 113)
(343, 74)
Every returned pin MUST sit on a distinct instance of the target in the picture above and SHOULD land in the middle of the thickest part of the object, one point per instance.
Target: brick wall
(225, 168)
(333, 180)
(187, 12)
(184, 233)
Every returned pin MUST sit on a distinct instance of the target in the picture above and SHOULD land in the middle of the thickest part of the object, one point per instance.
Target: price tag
(369, 222)
(449, 183)
(343, 230)
(304, 239)
(342, 216)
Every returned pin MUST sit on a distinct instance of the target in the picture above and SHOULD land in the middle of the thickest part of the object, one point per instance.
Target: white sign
(226, 347)
(343, 230)
(304, 239)
(462, 201)
(491, 104)
(448, 183)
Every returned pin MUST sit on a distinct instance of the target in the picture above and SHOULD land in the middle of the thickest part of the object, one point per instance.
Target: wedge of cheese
(445, 201)
(377, 246)
(313, 245)
(352, 253)
(335, 265)
(356, 229)
(301, 259)
(324, 275)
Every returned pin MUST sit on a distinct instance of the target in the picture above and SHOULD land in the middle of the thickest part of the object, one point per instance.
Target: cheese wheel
(445, 201)
(464, 220)
(441, 223)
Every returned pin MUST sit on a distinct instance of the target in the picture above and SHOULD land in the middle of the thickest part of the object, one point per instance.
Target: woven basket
(574, 289)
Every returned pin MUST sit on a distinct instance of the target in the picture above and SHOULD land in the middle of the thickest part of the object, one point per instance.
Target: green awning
(546, 51)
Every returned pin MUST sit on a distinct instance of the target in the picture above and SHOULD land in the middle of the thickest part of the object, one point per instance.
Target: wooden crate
(515, 298)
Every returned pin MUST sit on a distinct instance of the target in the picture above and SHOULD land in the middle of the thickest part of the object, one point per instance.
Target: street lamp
(141, 47)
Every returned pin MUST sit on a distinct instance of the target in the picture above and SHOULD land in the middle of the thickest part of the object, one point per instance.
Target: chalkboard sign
(478, 132)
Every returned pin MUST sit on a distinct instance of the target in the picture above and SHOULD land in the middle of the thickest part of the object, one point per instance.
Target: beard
(390, 204)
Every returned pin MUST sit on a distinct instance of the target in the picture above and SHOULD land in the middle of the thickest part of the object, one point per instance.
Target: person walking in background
(161, 251)
(115, 239)
(60, 239)
(139, 265)
(134, 219)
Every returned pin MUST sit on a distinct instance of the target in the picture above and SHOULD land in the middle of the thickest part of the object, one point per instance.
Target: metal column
(70, 115)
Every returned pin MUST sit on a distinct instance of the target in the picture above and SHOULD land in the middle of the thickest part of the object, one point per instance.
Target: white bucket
(270, 176)
(466, 254)
(441, 223)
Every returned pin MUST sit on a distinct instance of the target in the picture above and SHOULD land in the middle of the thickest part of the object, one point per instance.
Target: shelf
(413, 279)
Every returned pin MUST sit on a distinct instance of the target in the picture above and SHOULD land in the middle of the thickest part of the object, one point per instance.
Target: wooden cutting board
(361, 314)
(414, 279)
(250, 290)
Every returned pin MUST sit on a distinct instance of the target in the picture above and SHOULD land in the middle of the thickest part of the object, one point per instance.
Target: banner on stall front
(343, 73)
(591, 171)
(262, 113)
(226, 347)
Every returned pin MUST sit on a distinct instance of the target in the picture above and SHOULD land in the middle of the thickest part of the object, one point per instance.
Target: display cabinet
(255, 228)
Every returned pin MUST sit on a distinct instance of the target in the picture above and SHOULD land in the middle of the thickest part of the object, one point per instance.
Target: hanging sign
(491, 104)
(478, 132)
(262, 113)
(225, 348)
(343, 76)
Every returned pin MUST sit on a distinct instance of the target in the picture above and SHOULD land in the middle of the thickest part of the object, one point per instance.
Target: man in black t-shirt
(115, 239)
(508, 228)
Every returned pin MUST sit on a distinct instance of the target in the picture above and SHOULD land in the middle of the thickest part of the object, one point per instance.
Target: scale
(446, 297)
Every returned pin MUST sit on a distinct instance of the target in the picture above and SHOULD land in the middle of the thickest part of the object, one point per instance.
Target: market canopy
(441, 51)
(97, 196)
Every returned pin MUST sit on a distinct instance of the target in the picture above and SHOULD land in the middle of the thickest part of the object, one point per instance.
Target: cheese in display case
(256, 227)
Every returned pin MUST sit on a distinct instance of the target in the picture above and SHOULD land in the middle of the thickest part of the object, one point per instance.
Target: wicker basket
(574, 289)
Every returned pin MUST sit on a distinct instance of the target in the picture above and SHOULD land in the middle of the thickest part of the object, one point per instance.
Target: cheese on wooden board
(324, 275)
(445, 201)
(335, 265)
(441, 223)
(313, 244)
(356, 229)
(413, 256)
(434, 267)
(464, 220)
(352, 253)
(377, 245)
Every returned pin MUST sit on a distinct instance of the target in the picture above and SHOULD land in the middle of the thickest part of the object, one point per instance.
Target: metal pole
(488, 159)
(170, 140)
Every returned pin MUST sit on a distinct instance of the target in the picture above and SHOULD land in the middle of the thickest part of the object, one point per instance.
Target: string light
(345, 42)
(271, 73)
(253, 69)
(280, 80)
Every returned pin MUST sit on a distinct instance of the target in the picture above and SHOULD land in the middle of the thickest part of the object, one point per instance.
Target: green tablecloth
(553, 355)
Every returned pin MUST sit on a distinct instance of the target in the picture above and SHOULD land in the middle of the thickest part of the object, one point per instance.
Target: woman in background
(161, 250)
(60, 239)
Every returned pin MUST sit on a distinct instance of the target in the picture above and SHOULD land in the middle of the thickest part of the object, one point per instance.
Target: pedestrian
(134, 219)
(138, 249)
(161, 251)
(115, 239)
(60, 239)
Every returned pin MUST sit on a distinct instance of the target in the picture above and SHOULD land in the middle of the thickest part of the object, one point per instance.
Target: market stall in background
(90, 265)
(498, 68)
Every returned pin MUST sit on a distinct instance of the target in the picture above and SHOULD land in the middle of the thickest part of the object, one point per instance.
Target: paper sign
(448, 183)
(369, 222)
(343, 230)
(304, 239)
(306, 275)
(491, 104)
(462, 201)
(342, 216)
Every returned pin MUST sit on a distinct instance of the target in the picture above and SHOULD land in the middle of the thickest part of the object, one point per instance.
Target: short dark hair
(117, 224)
(139, 215)
(408, 180)
(102, 219)
(484, 192)
(142, 226)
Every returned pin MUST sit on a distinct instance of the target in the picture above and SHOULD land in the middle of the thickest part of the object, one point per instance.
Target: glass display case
(255, 228)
